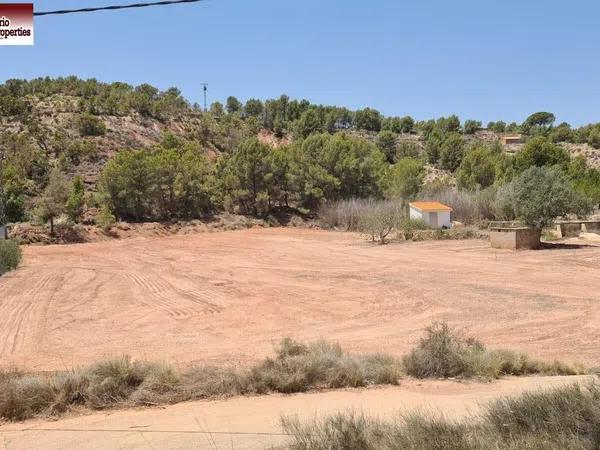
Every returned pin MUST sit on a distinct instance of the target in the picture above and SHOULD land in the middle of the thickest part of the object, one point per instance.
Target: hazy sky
(479, 59)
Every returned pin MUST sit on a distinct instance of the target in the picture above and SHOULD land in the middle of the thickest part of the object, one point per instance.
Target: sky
(484, 59)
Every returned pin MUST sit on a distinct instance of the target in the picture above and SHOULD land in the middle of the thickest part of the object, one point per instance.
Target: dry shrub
(10, 255)
(347, 214)
(570, 410)
(445, 353)
(299, 367)
(380, 220)
(471, 208)
(562, 418)
(117, 382)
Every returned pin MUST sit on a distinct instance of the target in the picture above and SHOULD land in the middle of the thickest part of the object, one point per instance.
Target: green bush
(89, 125)
(10, 255)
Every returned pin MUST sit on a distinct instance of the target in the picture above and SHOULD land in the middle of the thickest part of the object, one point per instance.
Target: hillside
(195, 163)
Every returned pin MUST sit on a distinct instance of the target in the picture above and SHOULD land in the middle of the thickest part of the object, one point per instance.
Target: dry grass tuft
(121, 382)
(446, 353)
(563, 418)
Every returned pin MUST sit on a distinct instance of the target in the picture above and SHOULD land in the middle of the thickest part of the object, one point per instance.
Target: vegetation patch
(10, 255)
(562, 418)
(446, 353)
(121, 382)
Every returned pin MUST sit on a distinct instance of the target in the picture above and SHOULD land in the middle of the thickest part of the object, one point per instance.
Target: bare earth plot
(226, 298)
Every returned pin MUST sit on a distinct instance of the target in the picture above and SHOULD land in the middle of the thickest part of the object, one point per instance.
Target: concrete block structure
(434, 214)
(514, 236)
(511, 139)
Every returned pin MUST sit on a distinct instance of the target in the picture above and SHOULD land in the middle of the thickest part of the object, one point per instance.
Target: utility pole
(205, 89)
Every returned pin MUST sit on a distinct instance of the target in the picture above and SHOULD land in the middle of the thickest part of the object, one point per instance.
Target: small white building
(434, 214)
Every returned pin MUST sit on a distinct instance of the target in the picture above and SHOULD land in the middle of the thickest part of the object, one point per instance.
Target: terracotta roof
(430, 206)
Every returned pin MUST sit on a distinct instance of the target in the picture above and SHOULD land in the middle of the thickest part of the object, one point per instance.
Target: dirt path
(253, 422)
(226, 298)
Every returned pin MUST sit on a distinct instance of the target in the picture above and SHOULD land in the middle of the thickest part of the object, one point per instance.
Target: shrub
(10, 255)
(563, 418)
(296, 367)
(346, 214)
(89, 125)
(444, 353)
(105, 219)
(470, 208)
(381, 220)
(408, 226)
(569, 410)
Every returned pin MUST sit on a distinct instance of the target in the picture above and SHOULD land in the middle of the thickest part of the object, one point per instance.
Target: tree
(245, 177)
(471, 126)
(126, 184)
(405, 179)
(541, 194)
(562, 133)
(450, 124)
(386, 140)
(367, 119)
(233, 105)
(76, 200)
(308, 123)
(217, 110)
(52, 203)
(407, 124)
(477, 169)
(381, 219)
(326, 167)
(12, 192)
(253, 108)
(451, 153)
(540, 119)
(497, 127)
(398, 124)
(539, 151)
(594, 138)
(433, 146)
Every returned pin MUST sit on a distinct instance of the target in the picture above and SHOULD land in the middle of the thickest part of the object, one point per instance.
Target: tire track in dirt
(168, 297)
(34, 301)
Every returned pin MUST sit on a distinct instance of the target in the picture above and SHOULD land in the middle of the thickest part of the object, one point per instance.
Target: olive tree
(541, 194)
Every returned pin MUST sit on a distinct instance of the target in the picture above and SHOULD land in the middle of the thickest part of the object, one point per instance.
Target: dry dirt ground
(228, 297)
(253, 422)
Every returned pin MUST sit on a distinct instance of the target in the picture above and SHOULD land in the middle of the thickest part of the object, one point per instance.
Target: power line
(139, 430)
(113, 7)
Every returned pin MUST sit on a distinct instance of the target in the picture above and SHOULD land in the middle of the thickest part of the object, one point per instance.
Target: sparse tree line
(326, 161)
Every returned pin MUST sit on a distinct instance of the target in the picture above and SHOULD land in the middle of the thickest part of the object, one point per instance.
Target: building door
(433, 219)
